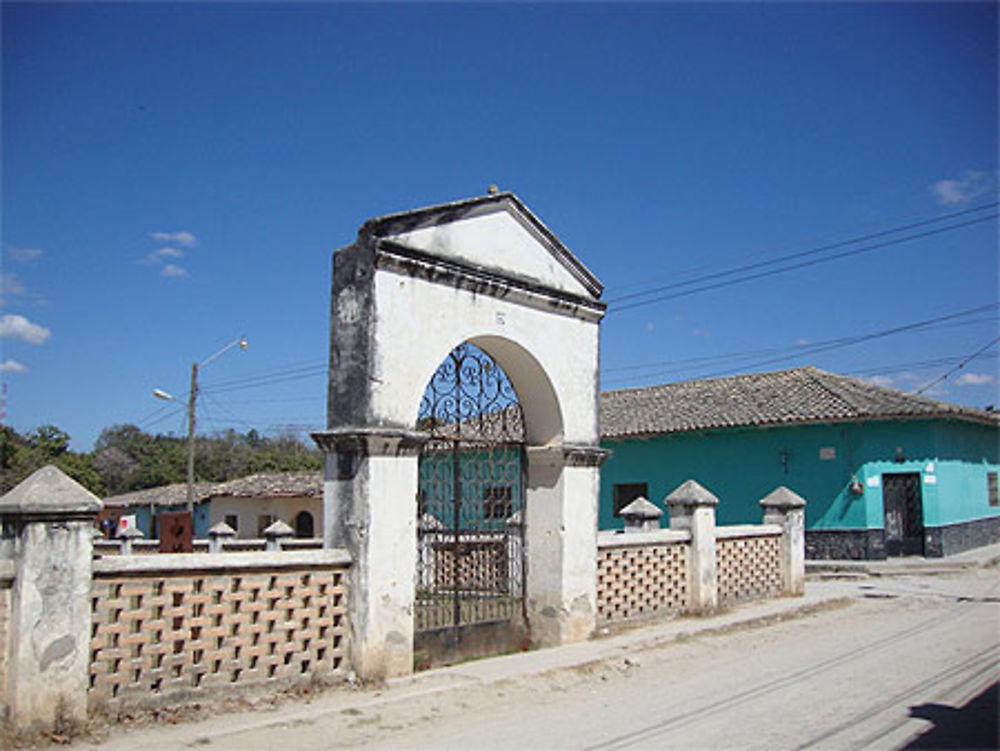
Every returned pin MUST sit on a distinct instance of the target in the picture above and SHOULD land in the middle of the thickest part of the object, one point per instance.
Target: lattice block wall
(748, 567)
(640, 581)
(152, 636)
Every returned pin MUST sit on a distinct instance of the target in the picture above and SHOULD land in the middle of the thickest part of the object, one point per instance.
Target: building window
(991, 488)
(263, 522)
(626, 492)
(233, 521)
(497, 502)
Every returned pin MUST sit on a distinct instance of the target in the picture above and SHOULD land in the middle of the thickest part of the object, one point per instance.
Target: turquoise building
(883, 472)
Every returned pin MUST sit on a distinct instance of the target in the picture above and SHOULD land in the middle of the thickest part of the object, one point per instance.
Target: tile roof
(273, 485)
(164, 495)
(263, 484)
(786, 397)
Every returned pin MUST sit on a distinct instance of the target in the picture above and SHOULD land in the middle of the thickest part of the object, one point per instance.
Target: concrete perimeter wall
(642, 575)
(174, 626)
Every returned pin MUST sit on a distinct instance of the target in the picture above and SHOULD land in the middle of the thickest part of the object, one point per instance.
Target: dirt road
(909, 662)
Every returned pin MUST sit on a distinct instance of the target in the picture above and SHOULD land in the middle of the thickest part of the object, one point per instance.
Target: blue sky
(177, 175)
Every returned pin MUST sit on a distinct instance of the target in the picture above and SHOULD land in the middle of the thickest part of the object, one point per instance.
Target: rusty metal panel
(176, 531)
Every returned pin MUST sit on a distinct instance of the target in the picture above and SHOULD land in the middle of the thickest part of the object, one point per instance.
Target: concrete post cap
(221, 529)
(641, 508)
(130, 533)
(279, 529)
(49, 492)
(782, 498)
(690, 493)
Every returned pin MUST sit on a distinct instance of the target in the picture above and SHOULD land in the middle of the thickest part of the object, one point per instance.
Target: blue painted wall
(742, 465)
(144, 519)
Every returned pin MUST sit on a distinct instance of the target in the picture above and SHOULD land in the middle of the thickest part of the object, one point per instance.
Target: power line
(748, 354)
(958, 367)
(866, 230)
(910, 366)
(800, 254)
(781, 270)
(838, 343)
(268, 379)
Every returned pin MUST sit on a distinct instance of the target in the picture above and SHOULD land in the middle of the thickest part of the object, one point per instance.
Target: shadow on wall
(973, 725)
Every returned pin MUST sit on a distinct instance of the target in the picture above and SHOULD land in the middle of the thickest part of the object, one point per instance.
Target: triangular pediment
(495, 233)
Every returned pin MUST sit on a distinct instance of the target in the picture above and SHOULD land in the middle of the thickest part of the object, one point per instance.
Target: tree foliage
(20, 455)
(125, 458)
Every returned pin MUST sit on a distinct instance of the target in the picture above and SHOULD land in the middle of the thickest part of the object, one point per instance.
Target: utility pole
(191, 404)
(192, 397)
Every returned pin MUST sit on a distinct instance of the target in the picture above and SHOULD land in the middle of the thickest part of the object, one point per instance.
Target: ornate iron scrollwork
(471, 496)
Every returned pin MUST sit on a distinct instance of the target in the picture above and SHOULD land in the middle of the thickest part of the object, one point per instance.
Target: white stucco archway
(412, 287)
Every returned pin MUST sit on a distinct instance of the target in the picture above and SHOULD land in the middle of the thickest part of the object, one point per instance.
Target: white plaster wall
(386, 646)
(562, 551)
(50, 624)
(495, 240)
(421, 322)
(247, 510)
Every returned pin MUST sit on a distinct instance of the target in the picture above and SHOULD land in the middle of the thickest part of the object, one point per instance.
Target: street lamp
(192, 397)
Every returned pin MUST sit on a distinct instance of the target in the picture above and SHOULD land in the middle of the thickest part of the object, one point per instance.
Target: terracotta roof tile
(263, 484)
(801, 395)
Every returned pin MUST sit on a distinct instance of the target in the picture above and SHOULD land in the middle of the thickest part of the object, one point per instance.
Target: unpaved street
(910, 662)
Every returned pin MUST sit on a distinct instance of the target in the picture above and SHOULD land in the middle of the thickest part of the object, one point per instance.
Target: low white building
(250, 504)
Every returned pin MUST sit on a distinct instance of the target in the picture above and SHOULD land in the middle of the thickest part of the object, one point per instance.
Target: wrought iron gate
(470, 513)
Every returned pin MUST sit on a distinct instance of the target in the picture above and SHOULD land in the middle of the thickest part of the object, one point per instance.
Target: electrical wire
(830, 344)
(291, 371)
(773, 272)
(910, 366)
(957, 368)
(801, 254)
(749, 354)
(867, 230)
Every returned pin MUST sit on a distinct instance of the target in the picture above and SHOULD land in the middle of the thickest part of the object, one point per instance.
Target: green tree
(22, 455)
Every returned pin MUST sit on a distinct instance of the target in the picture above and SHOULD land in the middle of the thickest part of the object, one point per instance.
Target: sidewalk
(914, 565)
(621, 646)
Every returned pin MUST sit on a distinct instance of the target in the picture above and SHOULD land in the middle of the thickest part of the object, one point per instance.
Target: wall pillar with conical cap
(47, 528)
(787, 509)
(692, 508)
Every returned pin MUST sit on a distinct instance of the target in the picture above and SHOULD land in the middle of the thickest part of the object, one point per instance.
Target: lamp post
(192, 399)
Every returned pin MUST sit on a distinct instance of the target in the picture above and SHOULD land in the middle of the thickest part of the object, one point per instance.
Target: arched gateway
(478, 281)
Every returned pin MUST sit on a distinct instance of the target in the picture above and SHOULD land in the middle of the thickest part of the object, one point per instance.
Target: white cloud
(23, 255)
(19, 327)
(12, 366)
(967, 187)
(904, 380)
(975, 379)
(882, 380)
(11, 285)
(157, 256)
(801, 342)
(179, 238)
(700, 332)
(174, 272)
(650, 327)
